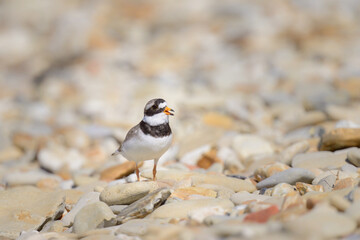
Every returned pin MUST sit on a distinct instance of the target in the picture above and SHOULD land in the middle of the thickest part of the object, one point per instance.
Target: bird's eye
(154, 107)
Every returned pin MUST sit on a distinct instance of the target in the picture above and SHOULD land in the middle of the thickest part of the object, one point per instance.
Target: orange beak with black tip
(169, 111)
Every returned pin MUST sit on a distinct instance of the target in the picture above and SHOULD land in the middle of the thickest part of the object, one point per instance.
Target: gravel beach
(266, 132)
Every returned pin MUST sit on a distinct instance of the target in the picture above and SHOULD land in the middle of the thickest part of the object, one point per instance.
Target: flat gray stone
(143, 206)
(117, 208)
(349, 168)
(323, 160)
(328, 182)
(290, 176)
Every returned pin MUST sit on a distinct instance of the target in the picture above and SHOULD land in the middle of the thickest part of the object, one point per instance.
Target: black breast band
(161, 130)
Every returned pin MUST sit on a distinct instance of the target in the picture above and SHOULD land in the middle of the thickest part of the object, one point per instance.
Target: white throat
(156, 119)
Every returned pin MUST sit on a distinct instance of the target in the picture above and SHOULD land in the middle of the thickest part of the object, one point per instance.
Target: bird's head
(157, 112)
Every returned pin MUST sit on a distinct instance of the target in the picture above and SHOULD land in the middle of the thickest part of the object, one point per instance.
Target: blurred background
(79, 72)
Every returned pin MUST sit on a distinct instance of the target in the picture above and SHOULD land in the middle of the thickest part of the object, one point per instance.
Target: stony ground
(266, 131)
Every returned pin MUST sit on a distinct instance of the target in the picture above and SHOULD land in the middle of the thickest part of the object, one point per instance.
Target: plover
(151, 137)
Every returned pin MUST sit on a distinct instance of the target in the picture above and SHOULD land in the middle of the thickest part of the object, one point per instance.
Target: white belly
(143, 147)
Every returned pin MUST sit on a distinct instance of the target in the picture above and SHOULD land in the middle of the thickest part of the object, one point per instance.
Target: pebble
(353, 211)
(67, 101)
(340, 138)
(169, 174)
(324, 174)
(353, 195)
(199, 178)
(218, 120)
(216, 168)
(116, 209)
(192, 157)
(208, 159)
(74, 137)
(183, 208)
(262, 216)
(351, 86)
(199, 215)
(138, 226)
(339, 202)
(54, 226)
(127, 193)
(353, 157)
(247, 146)
(322, 222)
(323, 160)
(305, 119)
(316, 96)
(282, 190)
(291, 206)
(221, 191)
(340, 113)
(231, 162)
(72, 196)
(236, 227)
(290, 152)
(327, 182)
(57, 157)
(19, 213)
(84, 180)
(118, 171)
(144, 206)
(290, 176)
(187, 193)
(25, 141)
(29, 178)
(240, 197)
(35, 235)
(346, 124)
(86, 199)
(10, 154)
(349, 168)
(229, 182)
(92, 216)
(304, 188)
(215, 219)
(344, 183)
(48, 183)
(269, 170)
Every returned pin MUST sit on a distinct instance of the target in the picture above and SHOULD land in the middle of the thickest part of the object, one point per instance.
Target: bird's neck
(157, 119)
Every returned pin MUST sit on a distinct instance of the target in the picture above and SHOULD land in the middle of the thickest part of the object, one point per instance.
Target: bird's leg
(137, 172)
(154, 169)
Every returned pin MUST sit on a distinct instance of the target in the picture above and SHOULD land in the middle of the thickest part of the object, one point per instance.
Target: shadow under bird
(151, 137)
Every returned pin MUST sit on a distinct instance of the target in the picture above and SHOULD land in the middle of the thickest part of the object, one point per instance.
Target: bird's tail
(117, 152)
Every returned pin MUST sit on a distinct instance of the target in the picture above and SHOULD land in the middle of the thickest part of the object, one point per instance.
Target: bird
(149, 139)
